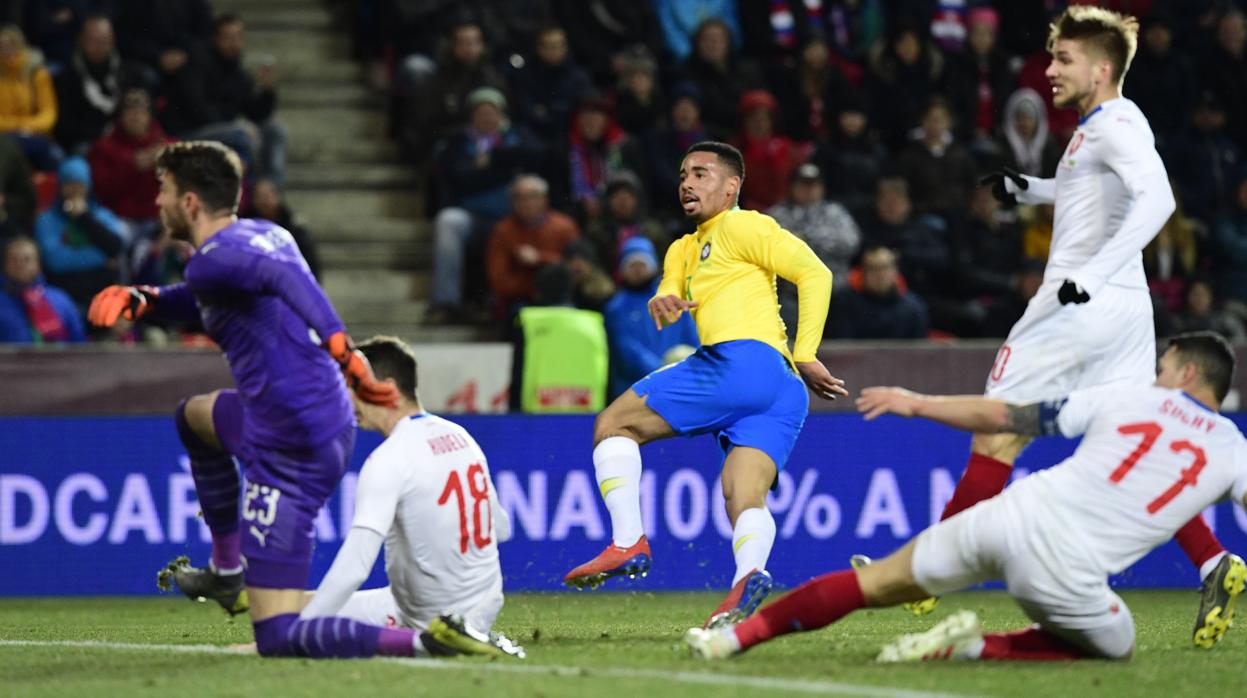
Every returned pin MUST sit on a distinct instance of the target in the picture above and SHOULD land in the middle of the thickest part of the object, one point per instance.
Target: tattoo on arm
(1023, 420)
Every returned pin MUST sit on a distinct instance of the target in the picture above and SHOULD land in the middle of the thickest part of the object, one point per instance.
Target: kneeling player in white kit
(426, 492)
(1090, 323)
(1151, 458)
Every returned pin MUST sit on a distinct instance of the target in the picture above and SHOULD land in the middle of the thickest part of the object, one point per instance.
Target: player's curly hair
(390, 357)
(1212, 355)
(1115, 35)
(209, 169)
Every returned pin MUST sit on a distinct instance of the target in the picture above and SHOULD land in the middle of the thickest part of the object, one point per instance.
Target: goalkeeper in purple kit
(289, 421)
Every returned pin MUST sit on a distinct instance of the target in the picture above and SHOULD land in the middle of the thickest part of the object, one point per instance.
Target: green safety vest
(565, 360)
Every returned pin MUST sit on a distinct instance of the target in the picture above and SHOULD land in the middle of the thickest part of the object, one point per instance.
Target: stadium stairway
(344, 179)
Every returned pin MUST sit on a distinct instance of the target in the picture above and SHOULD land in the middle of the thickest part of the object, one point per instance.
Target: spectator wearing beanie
(623, 218)
(637, 348)
(770, 157)
(123, 164)
(80, 240)
(597, 149)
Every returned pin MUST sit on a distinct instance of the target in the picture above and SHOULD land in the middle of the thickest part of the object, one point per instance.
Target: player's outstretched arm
(174, 303)
(358, 372)
(973, 413)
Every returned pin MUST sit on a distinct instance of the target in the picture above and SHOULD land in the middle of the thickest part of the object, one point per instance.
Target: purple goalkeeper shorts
(284, 491)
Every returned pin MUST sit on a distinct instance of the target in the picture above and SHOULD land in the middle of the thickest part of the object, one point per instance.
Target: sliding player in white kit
(1151, 458)
(1090, 323)
(427, 493)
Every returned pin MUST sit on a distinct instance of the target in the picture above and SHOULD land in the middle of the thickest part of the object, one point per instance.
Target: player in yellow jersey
(742, 385)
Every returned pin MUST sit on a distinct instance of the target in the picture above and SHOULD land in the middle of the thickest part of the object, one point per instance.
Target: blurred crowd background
(547, 135)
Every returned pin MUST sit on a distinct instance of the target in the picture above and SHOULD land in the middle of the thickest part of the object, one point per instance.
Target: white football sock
(236, 570)
(617, 465)
(1210, 564)
(752, 539)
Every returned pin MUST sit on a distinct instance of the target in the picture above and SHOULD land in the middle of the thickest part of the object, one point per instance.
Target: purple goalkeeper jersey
(258, 301)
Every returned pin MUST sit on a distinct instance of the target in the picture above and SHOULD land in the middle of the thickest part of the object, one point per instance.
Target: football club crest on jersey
(705, 251)
(1075, 144)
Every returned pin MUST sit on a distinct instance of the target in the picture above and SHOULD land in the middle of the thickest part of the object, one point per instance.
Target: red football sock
(818, 602)
(985, 477)
(1033, 644)
(1198, 541)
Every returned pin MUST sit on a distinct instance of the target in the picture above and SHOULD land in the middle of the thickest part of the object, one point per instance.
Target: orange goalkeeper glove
(114, 302)
(358, 373)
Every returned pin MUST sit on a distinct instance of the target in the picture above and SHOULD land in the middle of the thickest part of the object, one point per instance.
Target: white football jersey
(1111, 195)
(1150, 460)
(427, 489)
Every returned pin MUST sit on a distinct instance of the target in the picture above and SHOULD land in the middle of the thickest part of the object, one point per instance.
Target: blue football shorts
(744, 392)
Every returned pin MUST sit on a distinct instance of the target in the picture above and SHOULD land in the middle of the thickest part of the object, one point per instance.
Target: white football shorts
(1055, 349)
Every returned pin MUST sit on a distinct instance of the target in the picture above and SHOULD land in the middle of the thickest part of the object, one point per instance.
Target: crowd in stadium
(551, 132)
(89, 92)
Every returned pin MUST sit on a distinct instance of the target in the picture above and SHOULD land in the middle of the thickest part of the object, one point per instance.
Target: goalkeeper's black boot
(203, 583)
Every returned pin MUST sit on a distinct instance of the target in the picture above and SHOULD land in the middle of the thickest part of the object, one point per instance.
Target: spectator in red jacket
(770, 158)
(123, 164)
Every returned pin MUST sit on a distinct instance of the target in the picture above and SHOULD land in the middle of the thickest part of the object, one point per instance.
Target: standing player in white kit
(1090, 324)
(1151, 458)
(426, 492)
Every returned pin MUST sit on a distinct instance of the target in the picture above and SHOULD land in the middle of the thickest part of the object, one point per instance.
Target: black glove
(997, 182)
(1071, 293)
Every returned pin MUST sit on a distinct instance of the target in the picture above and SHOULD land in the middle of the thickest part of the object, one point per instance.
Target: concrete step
(351, 176)
(401, 256)
(269, 15)
(348, 285)
(326, 69)
(419, 334)
(291, 46)
(382, 311)
(238, 6)
(339, 151)
(375, 230)
(333, 123)
(317, 205)
(321, 94)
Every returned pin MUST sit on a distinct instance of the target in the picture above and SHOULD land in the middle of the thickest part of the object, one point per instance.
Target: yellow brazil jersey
(729, 266)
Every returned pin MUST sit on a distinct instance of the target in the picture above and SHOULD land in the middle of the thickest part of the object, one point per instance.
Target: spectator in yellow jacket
(27, 99)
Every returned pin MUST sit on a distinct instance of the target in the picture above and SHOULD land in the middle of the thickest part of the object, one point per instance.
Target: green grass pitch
(585, 645)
